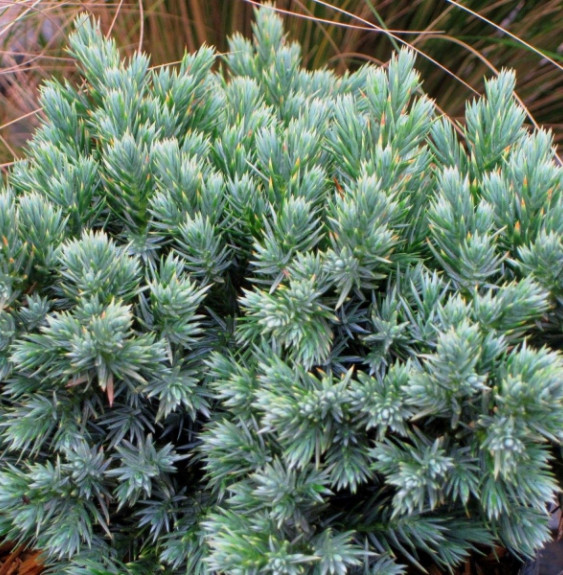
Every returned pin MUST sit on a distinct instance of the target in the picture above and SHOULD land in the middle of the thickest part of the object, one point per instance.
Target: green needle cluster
(260, 320)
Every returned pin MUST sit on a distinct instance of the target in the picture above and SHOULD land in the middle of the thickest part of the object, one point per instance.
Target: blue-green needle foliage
(259, 320)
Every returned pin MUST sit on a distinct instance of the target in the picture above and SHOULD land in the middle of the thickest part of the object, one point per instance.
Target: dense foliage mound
(256, 319)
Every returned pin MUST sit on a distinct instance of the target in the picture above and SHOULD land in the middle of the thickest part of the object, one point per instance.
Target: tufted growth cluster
(261, 320)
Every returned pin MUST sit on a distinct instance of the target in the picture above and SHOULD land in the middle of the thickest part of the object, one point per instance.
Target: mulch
(19, 560)
(497, 562)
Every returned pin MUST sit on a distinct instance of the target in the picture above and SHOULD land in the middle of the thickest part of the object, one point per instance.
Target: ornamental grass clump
(261, 320)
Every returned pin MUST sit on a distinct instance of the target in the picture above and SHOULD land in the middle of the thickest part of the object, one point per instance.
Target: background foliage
(457, 46)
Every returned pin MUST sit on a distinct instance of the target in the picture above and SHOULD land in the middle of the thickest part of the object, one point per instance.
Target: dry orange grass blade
(506, 32)
(32, 36)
